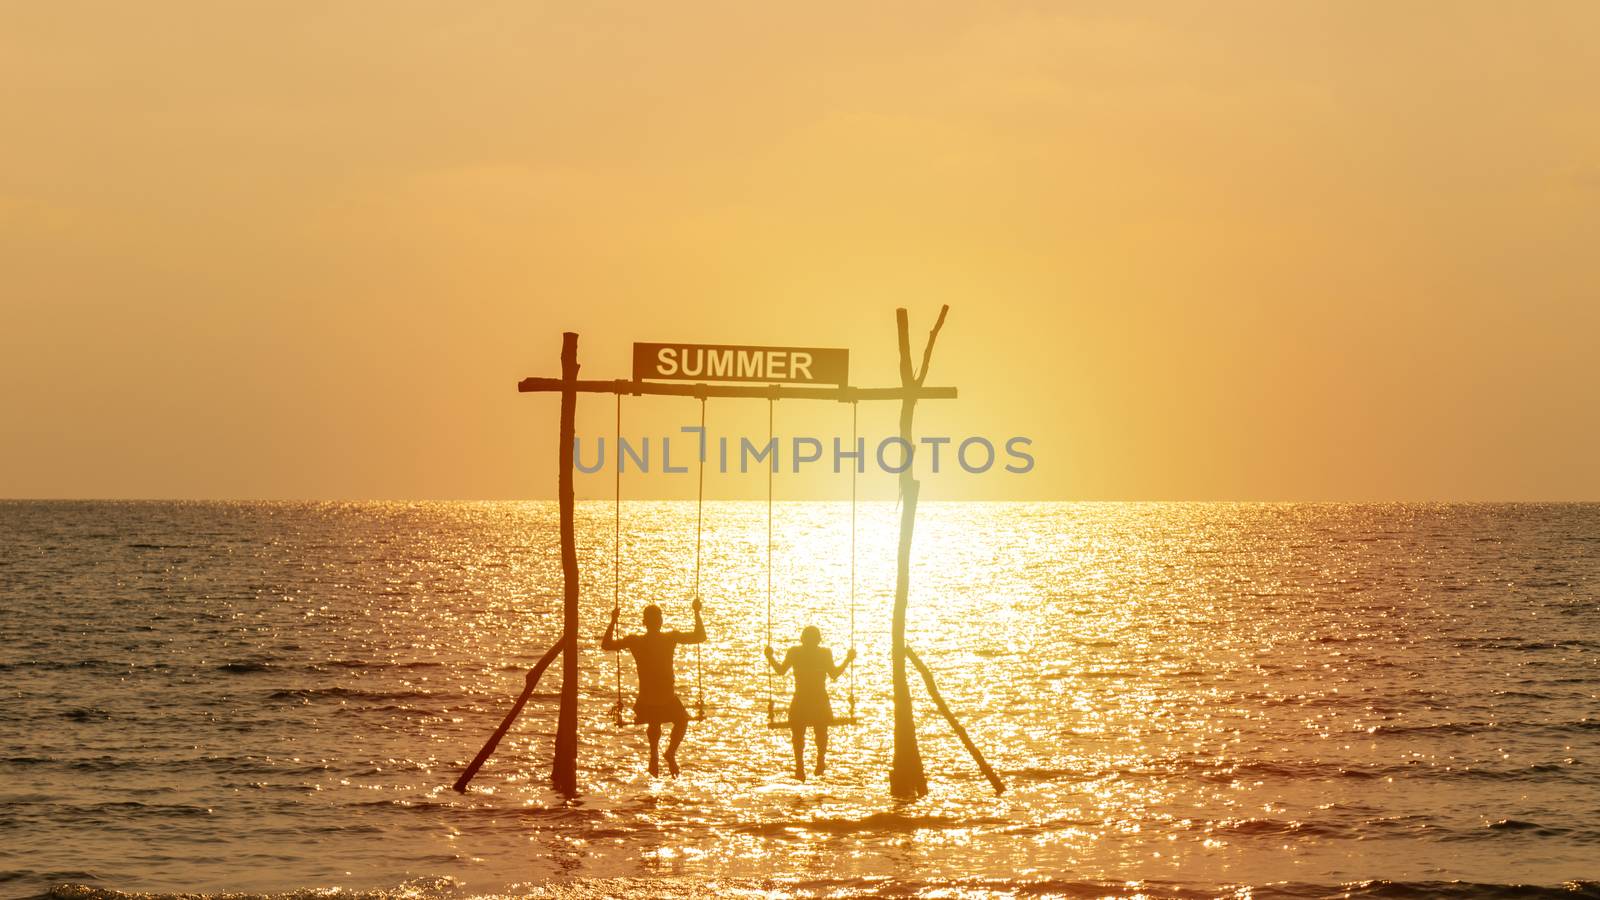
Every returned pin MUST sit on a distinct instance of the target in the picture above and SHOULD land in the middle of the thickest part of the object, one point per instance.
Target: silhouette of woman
(813, 666)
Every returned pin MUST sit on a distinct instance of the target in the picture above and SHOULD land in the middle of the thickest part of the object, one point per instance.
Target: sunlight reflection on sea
(265, 697)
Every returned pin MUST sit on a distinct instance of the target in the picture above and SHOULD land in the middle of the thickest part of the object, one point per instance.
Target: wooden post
(564, 770)
(966, 741)
(906, 776)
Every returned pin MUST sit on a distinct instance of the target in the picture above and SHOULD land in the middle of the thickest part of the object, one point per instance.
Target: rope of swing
(616, 557)
(854, 468)
(770, 692)
(699, 516)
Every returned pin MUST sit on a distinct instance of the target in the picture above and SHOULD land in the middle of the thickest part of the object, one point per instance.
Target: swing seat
(783, 724)
(837, 720)
(624, 721)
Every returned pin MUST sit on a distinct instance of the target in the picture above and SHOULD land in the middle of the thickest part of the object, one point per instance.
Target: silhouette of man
(813, 666)
(658, 696)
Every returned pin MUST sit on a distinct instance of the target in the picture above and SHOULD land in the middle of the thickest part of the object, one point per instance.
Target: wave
(896, 823)
(120, 810)
(1228, 771)
(323, 665)
(884, 886)
(1578, 726)
(1509, 642)
(245, 668)
(1519, 825)
(231, 667)
(344, 693)
(1276, 828)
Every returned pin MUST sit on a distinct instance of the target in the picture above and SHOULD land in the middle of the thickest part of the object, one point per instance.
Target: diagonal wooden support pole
(933, 691)
(505, 724)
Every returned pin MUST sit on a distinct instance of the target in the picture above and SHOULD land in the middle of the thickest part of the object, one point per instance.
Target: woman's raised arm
(835, 671)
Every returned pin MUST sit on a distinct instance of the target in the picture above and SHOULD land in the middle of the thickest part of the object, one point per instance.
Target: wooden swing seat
(837, 720)
(622, 721)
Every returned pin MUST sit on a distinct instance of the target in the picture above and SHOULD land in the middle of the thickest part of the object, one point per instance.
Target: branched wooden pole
(906, 776)
(933, 691)
(505, 724)
(564, 770)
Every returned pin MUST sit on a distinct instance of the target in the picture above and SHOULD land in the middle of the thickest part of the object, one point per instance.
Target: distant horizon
(924, 500)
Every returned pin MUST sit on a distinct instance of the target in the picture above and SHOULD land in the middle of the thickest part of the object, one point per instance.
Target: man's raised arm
(609, 641)
(835, 671)
(699, 634)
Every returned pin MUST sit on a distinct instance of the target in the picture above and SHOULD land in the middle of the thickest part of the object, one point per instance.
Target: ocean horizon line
(1220, 501)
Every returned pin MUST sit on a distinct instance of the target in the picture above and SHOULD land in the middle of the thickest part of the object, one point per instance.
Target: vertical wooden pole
(906, 778)
(564, 771)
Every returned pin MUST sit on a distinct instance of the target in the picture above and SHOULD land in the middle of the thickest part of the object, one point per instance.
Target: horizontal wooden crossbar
(760, 392)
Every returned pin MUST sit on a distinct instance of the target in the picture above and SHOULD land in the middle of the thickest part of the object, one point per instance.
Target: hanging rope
(854, 468)
(699, 516)
(616, 558)
(770, 692)
(772, 716)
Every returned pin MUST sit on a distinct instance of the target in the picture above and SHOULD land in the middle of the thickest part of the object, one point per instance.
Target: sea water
(1182, 699)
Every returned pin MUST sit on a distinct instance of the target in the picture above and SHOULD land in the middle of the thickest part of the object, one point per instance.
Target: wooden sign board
(739, 362)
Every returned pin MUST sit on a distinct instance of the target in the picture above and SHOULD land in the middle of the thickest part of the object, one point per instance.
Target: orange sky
(1195, 251)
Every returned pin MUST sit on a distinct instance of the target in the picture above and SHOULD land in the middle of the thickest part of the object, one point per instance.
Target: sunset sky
(1255, 251)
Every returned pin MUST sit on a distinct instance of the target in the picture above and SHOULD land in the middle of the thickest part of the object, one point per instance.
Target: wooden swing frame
(906, 776)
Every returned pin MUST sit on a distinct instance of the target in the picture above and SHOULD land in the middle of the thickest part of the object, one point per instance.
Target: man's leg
(678, 729)
(821, 731)
(655, 748)
(798, 734)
